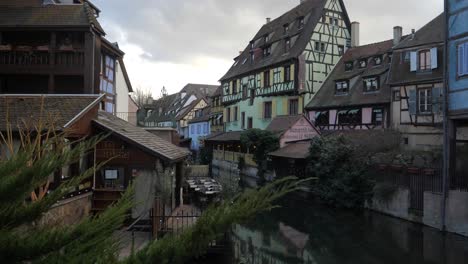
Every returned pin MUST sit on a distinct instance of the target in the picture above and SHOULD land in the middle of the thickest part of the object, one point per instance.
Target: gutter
(447, 148)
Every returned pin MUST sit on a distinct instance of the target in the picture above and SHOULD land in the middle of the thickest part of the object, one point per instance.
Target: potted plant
(5, 47)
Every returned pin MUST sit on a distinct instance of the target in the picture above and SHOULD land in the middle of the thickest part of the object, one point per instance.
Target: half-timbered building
(285, 64)
(356, 94)
(416, 80)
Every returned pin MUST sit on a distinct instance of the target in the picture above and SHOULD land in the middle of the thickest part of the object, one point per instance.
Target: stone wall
(68, 212)
(456, 217)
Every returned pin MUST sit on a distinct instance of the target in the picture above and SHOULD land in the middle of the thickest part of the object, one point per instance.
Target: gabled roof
(430, 36)
(204, 117)
(225, 137)
(141, 138)
(294, 150)
(200, 90)
(72, 15)
(310, 10)
(432, 32)
(28, 111)
(283, 123)
(326, 97)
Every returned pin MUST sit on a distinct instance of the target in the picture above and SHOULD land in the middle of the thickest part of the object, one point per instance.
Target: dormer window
(267, 51)
(251, 45)
(362, 64)
(285, 28)
(378, 60)
(324, 19)
(300, 22)
(349, 66)
(342, 87)
(423, 60)
(371, 84)
(266, 38)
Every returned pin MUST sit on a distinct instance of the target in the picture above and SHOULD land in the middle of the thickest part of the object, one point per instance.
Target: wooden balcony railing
(39, 57)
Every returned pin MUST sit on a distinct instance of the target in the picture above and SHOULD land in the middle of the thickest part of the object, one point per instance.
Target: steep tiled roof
(283, 123)
(326, 96)
(430, 36)
(432, 32)
(200, 90)
(295, 150)
(27, 111)
(310, 10)
(225, 137)
(142, 138)
(76, 15)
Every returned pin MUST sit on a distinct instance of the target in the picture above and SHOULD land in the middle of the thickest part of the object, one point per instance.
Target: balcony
(232, 98)
(40, 59)
(277, 88)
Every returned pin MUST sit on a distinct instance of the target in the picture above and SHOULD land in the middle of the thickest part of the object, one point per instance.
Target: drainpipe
(447, 148)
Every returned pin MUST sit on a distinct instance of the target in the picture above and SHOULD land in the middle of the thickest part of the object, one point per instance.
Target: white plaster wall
(122, 100)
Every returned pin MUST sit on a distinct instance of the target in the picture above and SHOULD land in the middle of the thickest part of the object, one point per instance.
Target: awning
(354, 111)
(219, 117)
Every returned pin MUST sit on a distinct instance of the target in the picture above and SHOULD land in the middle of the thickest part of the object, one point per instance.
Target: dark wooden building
(57, 47)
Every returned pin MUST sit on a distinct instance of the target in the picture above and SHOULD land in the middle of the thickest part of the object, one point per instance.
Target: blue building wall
(198, 131)
(457, 34)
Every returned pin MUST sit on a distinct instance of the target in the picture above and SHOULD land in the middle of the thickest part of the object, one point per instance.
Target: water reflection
(310, 234)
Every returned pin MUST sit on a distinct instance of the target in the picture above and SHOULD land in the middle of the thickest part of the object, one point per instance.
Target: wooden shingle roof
(141, 138)
(28, 111)
(76, 15)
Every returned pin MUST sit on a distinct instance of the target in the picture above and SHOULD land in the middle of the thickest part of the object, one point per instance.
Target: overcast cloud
(174, 42)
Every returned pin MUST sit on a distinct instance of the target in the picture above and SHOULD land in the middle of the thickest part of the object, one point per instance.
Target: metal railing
(128, 116)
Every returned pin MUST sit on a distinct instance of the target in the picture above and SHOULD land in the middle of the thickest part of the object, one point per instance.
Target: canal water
(306, 232)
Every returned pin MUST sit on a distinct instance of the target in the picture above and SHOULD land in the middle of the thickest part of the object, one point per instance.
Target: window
(322, 47)
(205, 129)
(267, 51)
(348, 66)
(266, 79)
(252, 96)
(350, 117)
(234, 87)
(396, 96)
(463, 59)
(249, 123)
(293, 107)
(228, 113)
(340, 50)
(243, 120)
(378, 60)
(266, 38)
(324, 19)
(252, 44)
(287, 45)
(244, 91)
(198, 129)
(425, 60)
(276, 75)
(371, 84)
(107, 85)
(322, 118)
(287, 73)
(336, 22)
(331, 20)
(286, 29)
(342, 87)
(317, 46)
(300, 22)
(362, 63)
(425, 101)
(267, 110)
(377, 116)
(236, 110)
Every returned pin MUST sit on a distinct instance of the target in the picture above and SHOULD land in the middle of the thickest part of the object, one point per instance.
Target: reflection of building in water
(284, 245)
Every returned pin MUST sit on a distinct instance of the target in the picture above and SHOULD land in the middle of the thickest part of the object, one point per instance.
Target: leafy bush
(343, 178)
(206, 156)
(262, 142)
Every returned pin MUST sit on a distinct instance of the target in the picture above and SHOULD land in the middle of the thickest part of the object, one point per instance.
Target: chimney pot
(268, 20)
(355, 34)
(397, 35)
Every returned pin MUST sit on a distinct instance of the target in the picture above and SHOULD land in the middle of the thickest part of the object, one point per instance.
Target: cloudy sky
(174, 42)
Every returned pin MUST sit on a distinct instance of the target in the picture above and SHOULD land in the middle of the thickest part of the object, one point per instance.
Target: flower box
(429, 172)
(396, 167)
(23, 48)
(414, 170)
(43, 48)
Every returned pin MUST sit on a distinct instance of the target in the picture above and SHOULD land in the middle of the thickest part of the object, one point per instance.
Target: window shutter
(461, 59)
(285, 106)
(225, 115)
(282, 73)
(414, 61)
(292, 72)
(436, 100)
(434, 62)
(273, 108)
(412, 107)
(271, 77)
(261, 79)
(300, 106)
(261, 110)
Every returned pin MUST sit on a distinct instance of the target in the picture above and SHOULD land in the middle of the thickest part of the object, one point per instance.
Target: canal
(305, 232)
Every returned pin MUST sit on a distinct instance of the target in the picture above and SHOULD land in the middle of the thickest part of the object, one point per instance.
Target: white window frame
(371, 84)
(462, 59)
(424, 101)
(340, 86)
